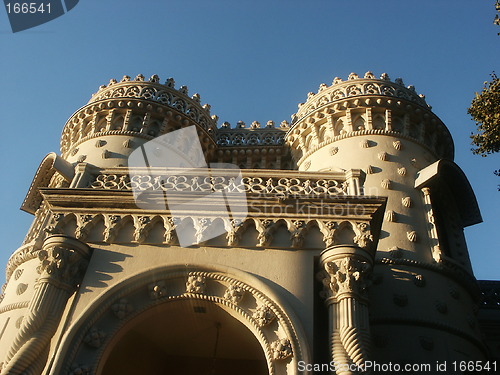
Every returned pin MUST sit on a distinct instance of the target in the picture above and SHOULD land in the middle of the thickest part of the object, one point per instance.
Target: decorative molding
(14, 306)
(256, 184)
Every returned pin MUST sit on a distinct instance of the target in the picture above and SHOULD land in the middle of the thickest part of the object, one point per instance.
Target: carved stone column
(345, 272)
(63, 262)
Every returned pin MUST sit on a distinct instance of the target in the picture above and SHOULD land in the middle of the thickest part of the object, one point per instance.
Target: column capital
(63, 261)
(345, 272)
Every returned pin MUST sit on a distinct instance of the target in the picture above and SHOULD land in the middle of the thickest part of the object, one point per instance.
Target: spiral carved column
(63, 262)
(345, 272)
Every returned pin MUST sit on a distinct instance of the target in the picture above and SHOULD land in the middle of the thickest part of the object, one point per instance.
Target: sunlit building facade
(338, 244)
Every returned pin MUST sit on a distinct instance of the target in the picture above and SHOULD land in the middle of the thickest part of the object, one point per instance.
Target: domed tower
(423, 286)
(124, 115)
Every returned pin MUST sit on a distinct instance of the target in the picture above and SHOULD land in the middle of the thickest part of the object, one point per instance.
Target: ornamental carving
(412, 236)
(62, 264)
(407, 202)
(196, 284)
(281, 349)
(122, 308)
(264, 227)
(328, 230)
(111, 224)
(250, 137)
(346, 276)
(80, 370)
(363, 237)
(234, 293)
(63, 261)
(419, 280)
(297, 228)
(140, 224)
(94, 338)
(157, 290)
(386, 184)
(256, 185)
(263, 315)
(21, 288)
(233, 231)
(18, 273)
(391, 216)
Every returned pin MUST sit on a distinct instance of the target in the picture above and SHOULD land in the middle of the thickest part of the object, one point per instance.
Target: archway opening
(188, 337)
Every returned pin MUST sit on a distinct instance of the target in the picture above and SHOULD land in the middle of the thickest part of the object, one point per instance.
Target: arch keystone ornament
(238, 294)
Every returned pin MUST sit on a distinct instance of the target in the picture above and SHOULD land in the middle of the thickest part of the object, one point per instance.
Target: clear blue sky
(251, 60)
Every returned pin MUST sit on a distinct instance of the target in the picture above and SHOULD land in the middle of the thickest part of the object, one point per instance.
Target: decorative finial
(411, 88)
(154, 78)
(196, 97)
(207, 107)
(226, 125)
(139, 78)
(310, 95)
(170, 82)
(352, 76)
(270, 124)
(322, 87)
(240, 124)
(399, 81)
(284, 124)
(125, 78)
(183, 90)
(385, 77)
(255, 125)
(369, 75)
(112, 81)
(336, 81)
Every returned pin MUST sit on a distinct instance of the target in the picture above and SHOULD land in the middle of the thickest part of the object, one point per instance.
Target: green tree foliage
(485, 111)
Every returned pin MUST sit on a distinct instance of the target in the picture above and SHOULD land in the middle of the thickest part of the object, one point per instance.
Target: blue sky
(251, 60)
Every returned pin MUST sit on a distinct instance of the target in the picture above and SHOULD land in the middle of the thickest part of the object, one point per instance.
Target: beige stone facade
(351, 251)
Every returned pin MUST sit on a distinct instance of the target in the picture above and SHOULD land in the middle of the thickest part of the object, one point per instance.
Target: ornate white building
(351, 253)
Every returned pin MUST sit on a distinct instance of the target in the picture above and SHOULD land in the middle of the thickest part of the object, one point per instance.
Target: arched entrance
(189, 337)
(170, 316)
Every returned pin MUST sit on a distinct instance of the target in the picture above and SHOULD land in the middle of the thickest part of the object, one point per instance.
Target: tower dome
(124, 115)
